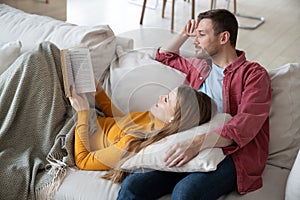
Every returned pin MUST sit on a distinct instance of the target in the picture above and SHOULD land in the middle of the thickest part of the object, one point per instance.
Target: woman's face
(164, 109)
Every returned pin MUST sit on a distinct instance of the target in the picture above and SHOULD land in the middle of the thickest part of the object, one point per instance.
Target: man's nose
(196, 40)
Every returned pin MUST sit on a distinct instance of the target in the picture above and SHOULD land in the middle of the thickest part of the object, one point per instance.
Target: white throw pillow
(292, 191)
(284, 115)
(136, 79)
(9, 52)
(153, 155)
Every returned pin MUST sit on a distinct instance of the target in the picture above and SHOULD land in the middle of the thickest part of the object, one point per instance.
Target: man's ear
(224, 37)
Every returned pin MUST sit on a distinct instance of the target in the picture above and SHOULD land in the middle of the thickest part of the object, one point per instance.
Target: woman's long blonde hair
(192, 109)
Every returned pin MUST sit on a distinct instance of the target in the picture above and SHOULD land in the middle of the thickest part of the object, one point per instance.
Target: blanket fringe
(58, 170)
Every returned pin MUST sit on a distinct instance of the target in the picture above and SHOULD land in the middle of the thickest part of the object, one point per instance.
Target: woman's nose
(161, 97)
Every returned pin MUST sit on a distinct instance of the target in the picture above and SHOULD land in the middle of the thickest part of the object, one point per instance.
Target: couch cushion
(9, 52)
(274, 180)
(285, 115)
(86, 185)
(32, 29)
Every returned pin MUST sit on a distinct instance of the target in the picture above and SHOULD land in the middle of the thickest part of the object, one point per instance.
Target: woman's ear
(171, 119)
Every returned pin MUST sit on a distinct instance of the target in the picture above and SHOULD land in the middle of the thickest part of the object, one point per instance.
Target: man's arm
(195, 69)
(181, 153)
(189, 30)
(174, 44)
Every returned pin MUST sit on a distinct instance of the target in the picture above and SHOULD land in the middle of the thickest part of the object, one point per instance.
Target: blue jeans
(184, 186)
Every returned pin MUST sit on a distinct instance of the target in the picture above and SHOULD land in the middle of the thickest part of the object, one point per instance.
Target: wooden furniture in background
(163, 11)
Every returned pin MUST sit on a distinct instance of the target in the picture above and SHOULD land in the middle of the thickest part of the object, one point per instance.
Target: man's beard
(201, 53)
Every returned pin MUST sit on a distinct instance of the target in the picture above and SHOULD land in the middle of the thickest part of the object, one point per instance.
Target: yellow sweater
(103, 150)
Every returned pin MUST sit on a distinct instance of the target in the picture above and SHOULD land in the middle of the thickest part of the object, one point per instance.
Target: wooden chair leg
(234, 6)
(212, 2)
(193, 9)
(172, 19)
(163, 8)
(163, 11)
(143, 12)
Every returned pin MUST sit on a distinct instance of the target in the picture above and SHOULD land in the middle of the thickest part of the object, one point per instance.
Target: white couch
(21, 32)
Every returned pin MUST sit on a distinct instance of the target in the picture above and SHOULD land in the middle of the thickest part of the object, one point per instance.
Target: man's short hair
(222, 20)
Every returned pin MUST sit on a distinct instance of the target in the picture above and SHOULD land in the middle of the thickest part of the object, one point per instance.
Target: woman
(119, 136)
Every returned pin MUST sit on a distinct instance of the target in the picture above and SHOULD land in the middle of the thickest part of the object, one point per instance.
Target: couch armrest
(292, 190)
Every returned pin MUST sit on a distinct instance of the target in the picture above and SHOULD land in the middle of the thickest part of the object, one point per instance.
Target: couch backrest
(31, 29)
(285, 115)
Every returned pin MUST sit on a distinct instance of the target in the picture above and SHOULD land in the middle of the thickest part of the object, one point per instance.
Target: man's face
(206, 42)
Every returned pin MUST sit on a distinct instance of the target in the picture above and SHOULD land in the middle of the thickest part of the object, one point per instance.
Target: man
(240, 88)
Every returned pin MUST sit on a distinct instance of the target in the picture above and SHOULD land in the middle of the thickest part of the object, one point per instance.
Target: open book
(77, 70)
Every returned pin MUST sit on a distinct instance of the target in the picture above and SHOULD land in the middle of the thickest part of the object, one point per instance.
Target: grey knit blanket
(36, 124)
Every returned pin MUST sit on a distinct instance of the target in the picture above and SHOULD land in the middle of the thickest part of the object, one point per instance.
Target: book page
(82, 70)
(77, 70)
(67, 71)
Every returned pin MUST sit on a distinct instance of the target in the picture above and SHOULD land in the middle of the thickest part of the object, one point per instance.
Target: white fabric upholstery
(32, 29)
(274, 180)
(136, 80)
(9, 52)
(292, 191)
(86, 185)
(285, 115)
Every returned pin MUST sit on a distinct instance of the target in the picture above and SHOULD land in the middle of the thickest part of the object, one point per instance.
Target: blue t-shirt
(212, 86)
